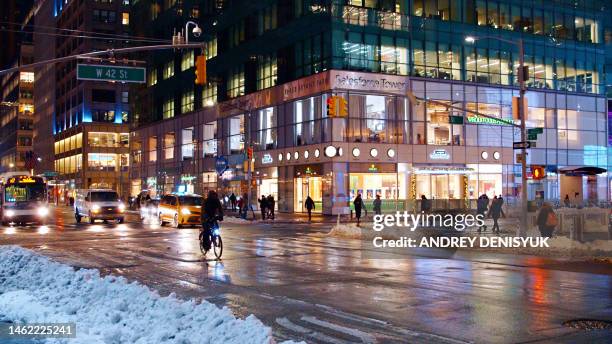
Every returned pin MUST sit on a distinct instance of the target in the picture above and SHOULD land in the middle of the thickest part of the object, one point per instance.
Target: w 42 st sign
(111, 73)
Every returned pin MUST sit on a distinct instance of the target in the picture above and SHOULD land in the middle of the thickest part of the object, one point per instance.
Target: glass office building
(277, 64)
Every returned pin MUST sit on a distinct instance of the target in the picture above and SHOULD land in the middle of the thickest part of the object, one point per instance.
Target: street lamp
(522, 230)
(197, 31)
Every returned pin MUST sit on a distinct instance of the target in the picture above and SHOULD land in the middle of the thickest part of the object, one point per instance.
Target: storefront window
(209, 139)
(169, 141)
(187, 143)
(371, 118)
(152, 149)
(307, 117)
(102, 162)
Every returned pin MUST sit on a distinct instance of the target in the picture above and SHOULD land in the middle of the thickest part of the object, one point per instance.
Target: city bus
(24, 200)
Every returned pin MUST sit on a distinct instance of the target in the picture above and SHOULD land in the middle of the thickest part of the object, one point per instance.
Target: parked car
(98, 204)
(180, 209)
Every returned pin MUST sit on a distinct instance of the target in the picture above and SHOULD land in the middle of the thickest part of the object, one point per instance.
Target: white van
(98, 204)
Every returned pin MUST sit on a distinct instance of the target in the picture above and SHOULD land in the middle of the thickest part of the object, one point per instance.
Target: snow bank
(349, 231)
(565, 243)
(109, 309)
(236, 220)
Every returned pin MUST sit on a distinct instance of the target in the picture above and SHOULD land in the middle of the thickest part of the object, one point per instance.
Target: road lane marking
(286, 323)
(365, 338)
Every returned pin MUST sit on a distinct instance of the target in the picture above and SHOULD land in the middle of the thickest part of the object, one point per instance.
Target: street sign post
(535, 131)
(521, 145)
(111, 73)
(532, 136)
(221, 164)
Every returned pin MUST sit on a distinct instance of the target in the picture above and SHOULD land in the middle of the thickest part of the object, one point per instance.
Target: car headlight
(95, 208)
(43, 211)
(9, 213)
(121, 207)
(185, 211)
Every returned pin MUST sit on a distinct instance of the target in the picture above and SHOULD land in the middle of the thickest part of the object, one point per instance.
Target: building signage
(369, 82)
(475, 119)
(267, 159)
(443, 170)
(373, 168)
(306, 86)
(221, 165)
(187, 178)
(439, 154)
(111, 73)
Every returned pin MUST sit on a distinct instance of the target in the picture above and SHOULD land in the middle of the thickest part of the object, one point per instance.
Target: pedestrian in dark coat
(377, 205)
(547, 220)
(310, 205)
(358, 203)
(482, 205)
(425, 205)
(232, 199)
(263, 205)
(495, 212)
(271, 203)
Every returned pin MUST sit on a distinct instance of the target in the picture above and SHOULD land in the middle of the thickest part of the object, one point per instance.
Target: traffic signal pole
(522, 229)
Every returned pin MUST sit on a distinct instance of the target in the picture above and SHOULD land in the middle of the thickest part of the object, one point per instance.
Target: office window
(209, 95)
(187, 61)
(102, 162)
(152, 149)
(125, 97)
(187, 102)
(235, 83)
(187, 140)
(168, 109)
(266, 72)
(168, 70)
(209, 139)
(169, 146)
(152, 80)
(125, 18)
(103, 115)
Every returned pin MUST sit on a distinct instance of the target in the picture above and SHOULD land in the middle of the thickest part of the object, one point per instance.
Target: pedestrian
(310, 205)
(232, 199)
(482, 205)
(358, 203)
(495, 212)
(566, 201)
(547, 220)
(377, 205)
(262, 206)
(501, 203)
(271, 203)
(425, 205)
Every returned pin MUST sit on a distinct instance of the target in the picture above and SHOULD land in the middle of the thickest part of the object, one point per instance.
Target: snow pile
(236, 220)
(109, 309)
(348, 231)
(565, 243)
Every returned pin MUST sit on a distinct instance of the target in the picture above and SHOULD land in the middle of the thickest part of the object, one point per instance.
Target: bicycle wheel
(217, 245)
(202, 246)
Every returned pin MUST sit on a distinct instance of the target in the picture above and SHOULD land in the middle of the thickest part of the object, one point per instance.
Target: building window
(26, 77)
(152, 149)
(266, 72)
(104, 16)
(168, 70)
(125, 18)
(267, 128)
(103, 116)
(267, 19)
(125, 97)
(168, 108)
(209, 95)
(102, 162)
(102, 139)
(211, 48)
(187, 60)
(152, 77)
(187, 139)
(169, 146)
(235, 83)
(234, 128)
(209, 139)
(187, 102)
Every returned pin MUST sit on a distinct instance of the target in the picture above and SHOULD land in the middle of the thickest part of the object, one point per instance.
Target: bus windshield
(24, 192)
(104, 196)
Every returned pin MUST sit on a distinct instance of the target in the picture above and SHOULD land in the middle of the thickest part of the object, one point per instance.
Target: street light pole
(522, 230)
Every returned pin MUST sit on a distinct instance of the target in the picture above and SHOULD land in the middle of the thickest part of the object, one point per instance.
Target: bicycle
(212, 229)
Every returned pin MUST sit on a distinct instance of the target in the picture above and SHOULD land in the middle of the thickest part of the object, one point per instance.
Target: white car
(98, 204)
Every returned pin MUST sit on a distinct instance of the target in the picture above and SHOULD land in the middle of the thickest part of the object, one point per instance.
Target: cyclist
(212, 210)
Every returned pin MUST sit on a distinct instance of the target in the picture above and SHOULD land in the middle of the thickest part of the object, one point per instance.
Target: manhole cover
(589, 324)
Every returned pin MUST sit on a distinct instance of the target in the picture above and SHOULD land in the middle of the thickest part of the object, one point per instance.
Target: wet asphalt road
(308, 286)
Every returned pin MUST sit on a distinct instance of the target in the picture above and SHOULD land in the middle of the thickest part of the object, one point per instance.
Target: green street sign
(111, 73)
(535, 131)
(532, 136)
(456, 119)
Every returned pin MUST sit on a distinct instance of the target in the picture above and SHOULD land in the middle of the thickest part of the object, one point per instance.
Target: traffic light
(250, 152)
(343, 107)
(538, 172)
(200, 70)
(331, 106)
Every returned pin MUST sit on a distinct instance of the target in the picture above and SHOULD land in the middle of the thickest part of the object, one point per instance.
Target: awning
(582, 171)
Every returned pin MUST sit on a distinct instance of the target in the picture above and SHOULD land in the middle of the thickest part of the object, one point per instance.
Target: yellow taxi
(180, 210)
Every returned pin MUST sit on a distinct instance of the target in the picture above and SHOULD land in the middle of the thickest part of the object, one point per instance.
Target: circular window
(296, 155)
(356, 152)
(288, 156)
(330, 151)
(306, 154)
(317, 153)
(340, 151)
(374, 152)
(484, 155)
(391, 153)
(496, 155)
(280, 156)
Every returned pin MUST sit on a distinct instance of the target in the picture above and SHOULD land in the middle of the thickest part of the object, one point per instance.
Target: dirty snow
(109, 309)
